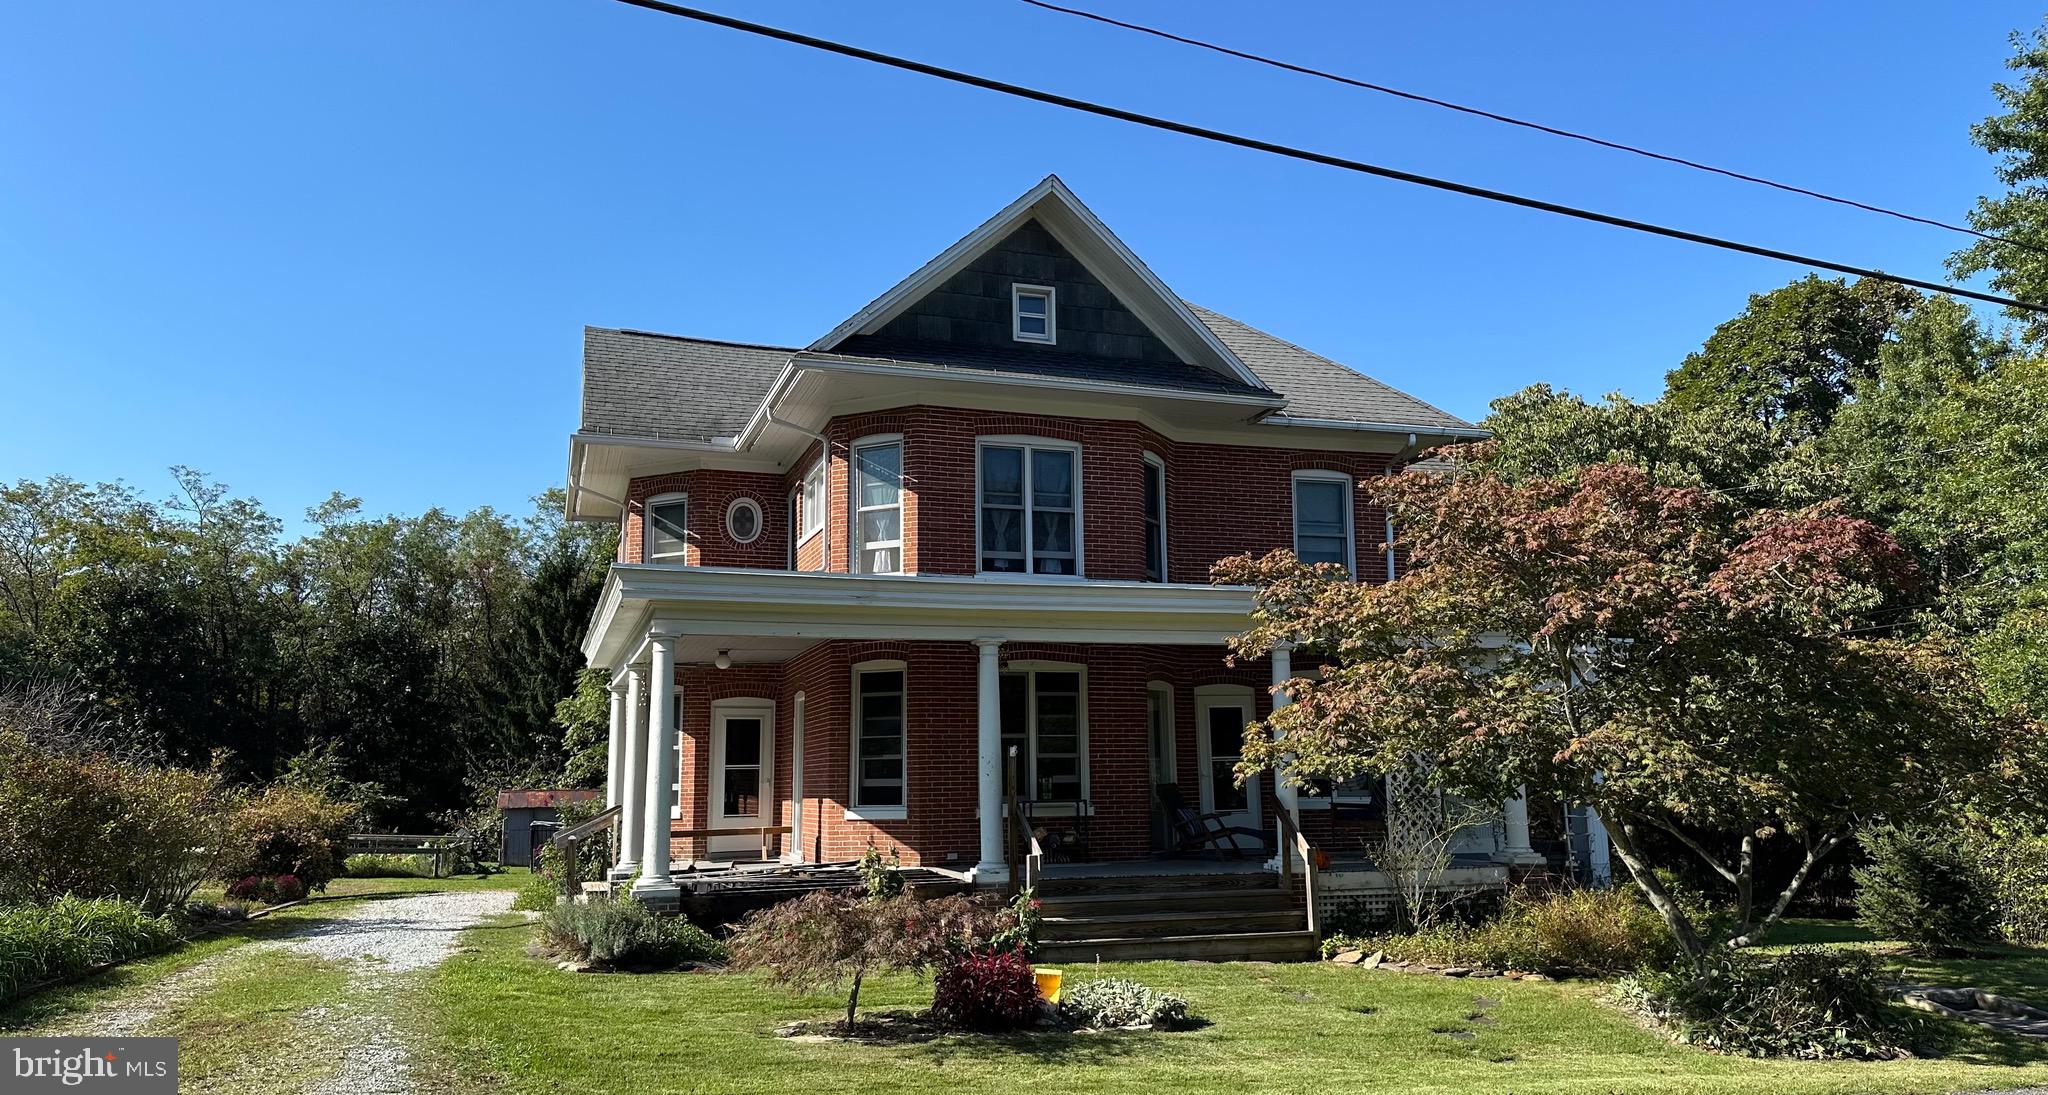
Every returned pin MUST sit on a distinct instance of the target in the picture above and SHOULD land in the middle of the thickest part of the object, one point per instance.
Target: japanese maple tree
(1654, 651)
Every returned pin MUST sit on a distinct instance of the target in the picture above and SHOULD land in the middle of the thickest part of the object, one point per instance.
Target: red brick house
(977, 515)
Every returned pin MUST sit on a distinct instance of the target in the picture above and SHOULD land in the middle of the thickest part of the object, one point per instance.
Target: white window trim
(1165, 690)
(854, 509)
(1027, 443)
(1350, 518)
(855, 811)
(745, 707)
(647, 528)
(813, 507)
(1224, 695)
(1052, 329)
(1156, 463)
(1031, 668)
(675, 700)
(760, 519)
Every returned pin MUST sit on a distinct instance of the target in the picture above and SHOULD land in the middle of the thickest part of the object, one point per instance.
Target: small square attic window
(1031, 314)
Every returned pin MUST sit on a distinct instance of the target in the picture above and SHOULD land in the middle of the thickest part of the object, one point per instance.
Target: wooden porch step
(1177, 924)
(1275, 946)
(1159, 883)
(1115, 902)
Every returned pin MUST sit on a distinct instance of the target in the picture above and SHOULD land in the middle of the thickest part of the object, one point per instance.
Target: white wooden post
(614, 759)
(659, 801)
(632, 778)
(989, 767)
(1515, 847)
(794, 853)
(1284, 792)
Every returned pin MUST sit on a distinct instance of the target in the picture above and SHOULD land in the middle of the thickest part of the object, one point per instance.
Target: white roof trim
(1193, 337)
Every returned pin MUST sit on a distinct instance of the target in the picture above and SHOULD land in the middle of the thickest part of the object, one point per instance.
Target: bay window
(878, 507)
(663, 539)
(1030, 501)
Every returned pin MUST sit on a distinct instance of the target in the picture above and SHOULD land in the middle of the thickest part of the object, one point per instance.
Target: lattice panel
(1415, 810)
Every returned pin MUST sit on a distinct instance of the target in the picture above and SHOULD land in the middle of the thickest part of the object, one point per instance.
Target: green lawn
(515, 1023)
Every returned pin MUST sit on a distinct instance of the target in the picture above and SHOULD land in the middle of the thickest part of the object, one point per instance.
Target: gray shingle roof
(1317, 387)
(670, 388)
(639, 384)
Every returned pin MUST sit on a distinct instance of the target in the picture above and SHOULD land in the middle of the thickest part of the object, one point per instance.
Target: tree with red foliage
(1653, 651)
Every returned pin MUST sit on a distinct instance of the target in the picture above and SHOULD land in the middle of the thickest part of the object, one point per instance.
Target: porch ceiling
(765, 615)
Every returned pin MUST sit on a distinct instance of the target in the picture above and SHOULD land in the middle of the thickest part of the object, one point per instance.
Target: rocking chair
(1195, 832)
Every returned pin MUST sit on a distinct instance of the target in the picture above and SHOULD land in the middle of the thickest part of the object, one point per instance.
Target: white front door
(742, 776)
(1221, 714)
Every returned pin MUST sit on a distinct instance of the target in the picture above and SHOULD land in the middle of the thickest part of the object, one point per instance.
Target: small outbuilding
(531, 817)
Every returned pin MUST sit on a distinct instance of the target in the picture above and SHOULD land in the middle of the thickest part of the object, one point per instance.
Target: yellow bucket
(1048, 985)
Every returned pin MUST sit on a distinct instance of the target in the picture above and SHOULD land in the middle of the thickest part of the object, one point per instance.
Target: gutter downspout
(825, 454)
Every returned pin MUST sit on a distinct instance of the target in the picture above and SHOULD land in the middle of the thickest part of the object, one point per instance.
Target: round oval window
(743, 520)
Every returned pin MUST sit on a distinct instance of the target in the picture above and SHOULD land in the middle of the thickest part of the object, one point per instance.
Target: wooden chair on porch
(1194, 831)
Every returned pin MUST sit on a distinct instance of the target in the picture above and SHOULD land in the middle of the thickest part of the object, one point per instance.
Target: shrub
(2017, 864)
(1581, 931)
(1117, 1002)
(70, 935)
(92, 826)
(1021, 932)
(828, 938)
(623, 934)
(291, 830)
(268, 889)
(1810, 1002)
(881, 879)
(1924, 886)
(386, 865)
(986, 990)
(538, 893)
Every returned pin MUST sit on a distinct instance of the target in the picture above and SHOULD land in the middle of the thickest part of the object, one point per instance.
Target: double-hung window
(1322, 518)
(1044, 716)
(1030, 508)
(811, 503)
(1154, 485)
(878, 728)
(878, 508)
(663, 539)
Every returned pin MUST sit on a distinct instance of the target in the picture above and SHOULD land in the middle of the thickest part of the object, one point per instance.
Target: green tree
(1794, 355)
(585, 718)
(2018, 260)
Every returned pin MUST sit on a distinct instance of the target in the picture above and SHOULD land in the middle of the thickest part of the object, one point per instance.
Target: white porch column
(794, 853)
(614, 759)
(1515, 820)
(1284, 792)
(632, 778)
(659, 799)
(989, 755)
(1597, 863)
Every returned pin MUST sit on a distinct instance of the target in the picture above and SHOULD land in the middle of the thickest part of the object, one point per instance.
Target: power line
(1524, 123)
(1305, 155)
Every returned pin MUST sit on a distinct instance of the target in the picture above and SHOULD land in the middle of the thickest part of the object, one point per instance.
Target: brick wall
(1220, 499)
(940, 827)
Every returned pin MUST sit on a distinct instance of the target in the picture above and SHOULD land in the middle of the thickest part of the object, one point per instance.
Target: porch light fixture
(724, 659)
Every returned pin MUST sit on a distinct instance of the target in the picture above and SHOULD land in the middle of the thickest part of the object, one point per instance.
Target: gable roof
(1078, 229)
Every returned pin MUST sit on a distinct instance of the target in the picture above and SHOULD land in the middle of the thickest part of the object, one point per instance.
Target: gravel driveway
(376, 942)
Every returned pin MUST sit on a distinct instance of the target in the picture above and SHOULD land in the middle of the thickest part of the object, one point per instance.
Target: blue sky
(352, 246)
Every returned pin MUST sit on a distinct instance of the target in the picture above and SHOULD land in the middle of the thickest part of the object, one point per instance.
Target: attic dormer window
(1031, 314)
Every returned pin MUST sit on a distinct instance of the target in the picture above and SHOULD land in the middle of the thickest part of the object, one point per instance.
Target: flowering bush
(268, 889)
(986, 990)
(291, 830)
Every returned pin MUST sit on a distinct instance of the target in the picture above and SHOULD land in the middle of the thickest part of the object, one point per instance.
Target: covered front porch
(806, 717)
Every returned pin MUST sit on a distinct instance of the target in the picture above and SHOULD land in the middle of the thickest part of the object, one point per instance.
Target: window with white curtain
(1030, 508)
(878, 508)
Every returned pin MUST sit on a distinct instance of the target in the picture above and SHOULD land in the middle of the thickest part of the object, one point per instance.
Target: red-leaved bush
(986, 990)
(268, 889)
